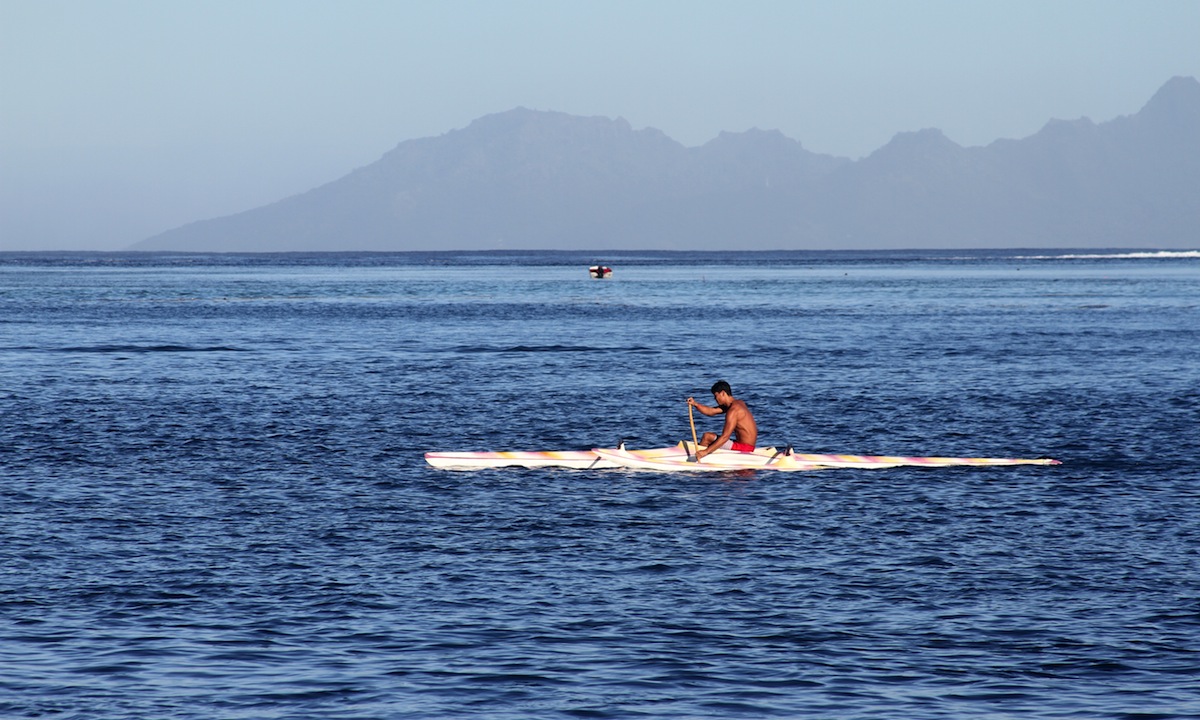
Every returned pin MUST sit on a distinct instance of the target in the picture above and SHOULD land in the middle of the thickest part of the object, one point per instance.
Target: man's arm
(704, 409)
(731, 419)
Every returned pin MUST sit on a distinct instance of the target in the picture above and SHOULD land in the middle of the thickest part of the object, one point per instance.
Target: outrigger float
(680, 457)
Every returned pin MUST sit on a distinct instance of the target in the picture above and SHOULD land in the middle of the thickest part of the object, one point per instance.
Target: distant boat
(600, 271)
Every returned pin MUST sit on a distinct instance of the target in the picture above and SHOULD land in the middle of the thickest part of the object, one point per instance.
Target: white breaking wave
(1159, 254)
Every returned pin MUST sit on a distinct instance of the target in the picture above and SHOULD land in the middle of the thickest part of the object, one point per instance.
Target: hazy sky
(119, 120)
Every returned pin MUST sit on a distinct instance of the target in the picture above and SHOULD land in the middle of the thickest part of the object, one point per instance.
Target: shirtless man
(739, 423)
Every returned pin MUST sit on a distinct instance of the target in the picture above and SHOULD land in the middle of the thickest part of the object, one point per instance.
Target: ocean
(215, 502)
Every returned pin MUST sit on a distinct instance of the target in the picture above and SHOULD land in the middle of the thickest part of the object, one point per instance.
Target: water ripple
(219, 509)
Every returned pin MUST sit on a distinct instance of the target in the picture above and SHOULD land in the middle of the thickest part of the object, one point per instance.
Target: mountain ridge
(530, 179)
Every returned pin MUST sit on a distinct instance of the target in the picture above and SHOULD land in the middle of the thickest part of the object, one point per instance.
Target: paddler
(740, 432)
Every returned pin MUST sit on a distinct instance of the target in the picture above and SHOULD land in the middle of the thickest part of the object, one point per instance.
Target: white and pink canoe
(679, 458)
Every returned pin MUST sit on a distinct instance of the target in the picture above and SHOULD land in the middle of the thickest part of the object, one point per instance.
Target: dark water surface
(215, 504)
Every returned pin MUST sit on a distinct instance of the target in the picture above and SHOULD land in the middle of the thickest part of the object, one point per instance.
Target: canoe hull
(728, 460)
(577, 460)
(890, 461)
(572, 459)
(675, 458)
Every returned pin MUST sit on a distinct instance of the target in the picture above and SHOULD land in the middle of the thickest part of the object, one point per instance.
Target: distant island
(526, 179)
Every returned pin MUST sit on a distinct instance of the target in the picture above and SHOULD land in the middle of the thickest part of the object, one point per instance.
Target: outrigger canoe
(676, 458)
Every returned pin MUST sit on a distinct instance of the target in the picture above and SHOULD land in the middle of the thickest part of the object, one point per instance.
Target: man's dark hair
(721, 386)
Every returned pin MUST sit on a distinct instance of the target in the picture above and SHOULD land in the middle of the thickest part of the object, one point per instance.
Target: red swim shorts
(742, 447)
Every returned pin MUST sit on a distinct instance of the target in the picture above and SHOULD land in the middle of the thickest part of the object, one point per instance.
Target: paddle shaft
(695, 442)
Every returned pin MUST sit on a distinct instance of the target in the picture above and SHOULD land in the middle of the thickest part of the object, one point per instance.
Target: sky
(120, 119)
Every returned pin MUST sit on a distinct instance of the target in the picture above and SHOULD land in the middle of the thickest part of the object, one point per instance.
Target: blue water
(215, 504)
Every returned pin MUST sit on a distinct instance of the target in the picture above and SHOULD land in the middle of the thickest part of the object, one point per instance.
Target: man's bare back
(745, 430)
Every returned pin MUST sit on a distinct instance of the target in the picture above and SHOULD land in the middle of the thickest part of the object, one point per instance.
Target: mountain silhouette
(526, 179)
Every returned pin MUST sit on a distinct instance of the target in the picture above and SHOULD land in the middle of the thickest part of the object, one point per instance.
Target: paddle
(695, 443)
